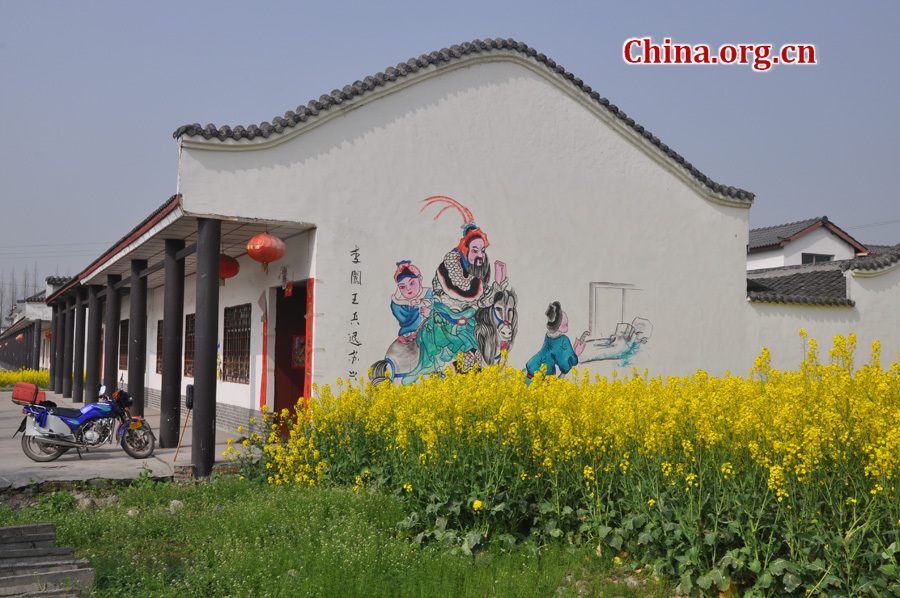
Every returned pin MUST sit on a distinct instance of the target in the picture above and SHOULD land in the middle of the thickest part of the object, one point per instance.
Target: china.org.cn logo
(762, 57)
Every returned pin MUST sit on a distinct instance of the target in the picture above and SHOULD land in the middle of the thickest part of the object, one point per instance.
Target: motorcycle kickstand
(79, 453)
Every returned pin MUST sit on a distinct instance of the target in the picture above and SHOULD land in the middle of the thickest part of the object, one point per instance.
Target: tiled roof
(876, 262)
(780, 235)
(58, 280)
(73, 281)
(293, 118)
(879, 248)
(775, 235)
(37, 297)
(805, 286)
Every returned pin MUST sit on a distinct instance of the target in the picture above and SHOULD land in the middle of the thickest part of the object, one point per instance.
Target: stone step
(15, 570)
(81, 578)
(40, 556)
(38, 532)
(57, 593)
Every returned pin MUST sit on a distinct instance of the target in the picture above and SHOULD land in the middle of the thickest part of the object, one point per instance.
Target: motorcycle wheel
(138, 443)
(41, 451)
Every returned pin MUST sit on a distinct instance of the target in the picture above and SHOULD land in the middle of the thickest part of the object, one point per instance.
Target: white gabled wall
(565, 199)
(821, 241)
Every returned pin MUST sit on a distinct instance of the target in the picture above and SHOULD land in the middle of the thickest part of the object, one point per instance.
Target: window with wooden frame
(159, 346)
(236, 344)
(189, 345)
(123, 345)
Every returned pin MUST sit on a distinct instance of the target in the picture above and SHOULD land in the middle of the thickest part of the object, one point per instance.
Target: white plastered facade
(571, 199)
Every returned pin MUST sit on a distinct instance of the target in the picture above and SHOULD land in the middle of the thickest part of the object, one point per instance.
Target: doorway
(290, 346)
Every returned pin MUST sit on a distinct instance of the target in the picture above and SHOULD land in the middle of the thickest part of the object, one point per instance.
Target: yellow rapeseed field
(697, 467)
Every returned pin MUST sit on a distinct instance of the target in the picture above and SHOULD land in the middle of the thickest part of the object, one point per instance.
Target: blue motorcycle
(49, 431)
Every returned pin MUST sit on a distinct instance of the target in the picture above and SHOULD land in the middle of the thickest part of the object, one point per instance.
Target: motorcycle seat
(65, 412)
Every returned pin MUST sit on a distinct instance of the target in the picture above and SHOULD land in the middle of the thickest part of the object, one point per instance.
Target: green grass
(240, 538)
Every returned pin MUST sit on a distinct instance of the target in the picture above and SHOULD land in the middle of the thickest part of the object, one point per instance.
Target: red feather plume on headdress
(471, 231)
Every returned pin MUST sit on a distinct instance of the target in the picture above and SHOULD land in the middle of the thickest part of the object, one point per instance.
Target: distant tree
(36, 280)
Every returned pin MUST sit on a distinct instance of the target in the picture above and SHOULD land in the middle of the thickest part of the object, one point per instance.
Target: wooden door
(290, 347)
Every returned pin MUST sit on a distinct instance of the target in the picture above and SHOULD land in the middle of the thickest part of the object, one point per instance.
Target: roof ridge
(338, 96)
(816, 219)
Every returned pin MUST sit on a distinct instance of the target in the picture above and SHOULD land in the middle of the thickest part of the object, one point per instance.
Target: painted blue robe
(556, 353)
(409, 316)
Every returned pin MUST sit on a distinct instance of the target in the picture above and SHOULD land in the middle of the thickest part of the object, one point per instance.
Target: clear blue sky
(91, 91)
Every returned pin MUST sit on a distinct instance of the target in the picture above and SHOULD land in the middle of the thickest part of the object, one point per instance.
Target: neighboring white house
(805, 242)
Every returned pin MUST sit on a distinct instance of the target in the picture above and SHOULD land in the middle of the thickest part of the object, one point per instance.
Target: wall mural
(465, 312)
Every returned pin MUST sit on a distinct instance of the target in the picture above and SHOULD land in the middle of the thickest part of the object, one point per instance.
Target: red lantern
(228, 268)
(20, 338)
(265, 248)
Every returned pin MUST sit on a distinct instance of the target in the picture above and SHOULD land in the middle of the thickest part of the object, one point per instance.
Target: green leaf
(645, 538)
(755, 566)
(616, 542)
(779, 566)
(686, 585)
(603, 531)
(889, 570)
(545, 507)
(765, 580)
(584, 527)
(567, 511)
(705, 581)
(500, 507)
(791, 582)
(710, 538)
(555, 532)
(722, 580)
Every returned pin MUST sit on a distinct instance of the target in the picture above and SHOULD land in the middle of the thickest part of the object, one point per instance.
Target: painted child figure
(411, 304)
(557, 352)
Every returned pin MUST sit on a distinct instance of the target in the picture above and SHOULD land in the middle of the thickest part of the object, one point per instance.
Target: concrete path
(108, 462)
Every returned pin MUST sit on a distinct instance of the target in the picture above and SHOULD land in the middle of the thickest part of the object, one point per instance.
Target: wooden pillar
(137, 333)
(78, 355)
(94, 332)
(205, 340)
(111, 341)
(68, 349)
(36, 345)
(173, 335)
(54, 340)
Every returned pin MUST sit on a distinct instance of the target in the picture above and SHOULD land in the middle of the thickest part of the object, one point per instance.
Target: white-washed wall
(821, 241)
(874, 317)
(765, 259)
(565, 198)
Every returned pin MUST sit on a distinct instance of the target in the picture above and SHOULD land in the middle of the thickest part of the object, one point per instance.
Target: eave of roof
(338, 97)
(770, 297)
(148, 223)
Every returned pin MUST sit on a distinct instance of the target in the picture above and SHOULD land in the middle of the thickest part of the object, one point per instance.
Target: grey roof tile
(445, 55)
(876, 262)
(802, 286)
(775, 235)
(879, 248)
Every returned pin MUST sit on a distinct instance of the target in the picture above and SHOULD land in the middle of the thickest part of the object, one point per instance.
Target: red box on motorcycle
(24, 393)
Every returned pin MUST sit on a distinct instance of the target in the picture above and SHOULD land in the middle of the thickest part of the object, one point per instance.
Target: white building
(578, 204)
